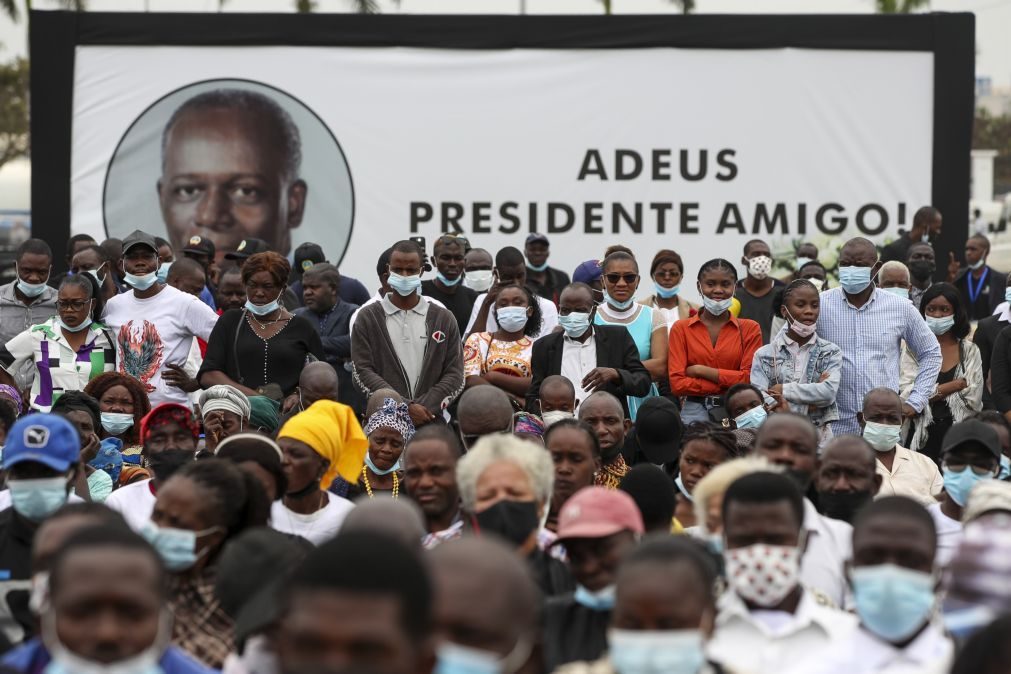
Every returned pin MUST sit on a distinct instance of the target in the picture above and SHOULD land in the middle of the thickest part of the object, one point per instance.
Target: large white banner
(355, 148)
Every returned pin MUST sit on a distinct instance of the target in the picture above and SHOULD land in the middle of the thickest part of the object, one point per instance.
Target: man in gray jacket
(408, 344)
(27, 300)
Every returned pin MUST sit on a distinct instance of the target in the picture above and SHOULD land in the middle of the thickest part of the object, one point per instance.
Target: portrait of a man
(230, 170)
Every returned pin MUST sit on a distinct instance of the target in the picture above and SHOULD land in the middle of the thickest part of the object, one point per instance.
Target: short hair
(949, 292)
(158, 241)
(491, 449)
(452, 240)
(668, 551)
(804, 421)
(105, 536)
(894, 264)
(112, 246)
(408, 247)
(510, 256)
(601, 395)
(665, 256)
(861, 242)
(78, 401)
(653, 492)
(915, 245)
(439, 432)
(706, 431)
(721, 477)
(89, 285)
(324, 271)
(8, 415)
(383, 264)
(892, 508)
(994, 418)
(250, 102)
(536, 319)
(273, 263)
(813, 263)
(617, 256)
(230, 271)
(982, 237)
(577, 285)
(98, 386)
(578, 425)
(925, 213)
(718, 264)
(764, 487)
(237, 499)
(35, 247)
(77, 238)
(102, 255)
(258, 449)
(185, 265)
(752, 242)
(882, 390)
(557, 379)
(370, 562)
(740, 388)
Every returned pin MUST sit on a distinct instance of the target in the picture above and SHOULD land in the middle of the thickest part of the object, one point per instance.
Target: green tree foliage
(13, 110)
(994, 133)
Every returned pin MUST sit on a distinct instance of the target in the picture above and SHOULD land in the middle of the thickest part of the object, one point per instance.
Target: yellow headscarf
(332, 430)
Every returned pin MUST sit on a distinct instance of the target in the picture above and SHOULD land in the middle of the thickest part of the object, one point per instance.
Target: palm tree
(899, 6)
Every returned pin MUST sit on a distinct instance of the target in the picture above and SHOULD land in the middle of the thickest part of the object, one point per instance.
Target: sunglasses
(629, 279)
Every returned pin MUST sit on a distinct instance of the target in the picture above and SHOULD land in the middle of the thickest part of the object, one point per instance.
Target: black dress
(245, 357)
(942, 420)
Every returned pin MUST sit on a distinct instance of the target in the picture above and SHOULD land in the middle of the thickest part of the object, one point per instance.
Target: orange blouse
(690, 344)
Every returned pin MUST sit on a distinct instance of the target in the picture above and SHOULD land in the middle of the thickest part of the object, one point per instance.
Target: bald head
(318, 382)
(401, 519)
(849, 449)
(882, 406)
(187, 275)
(484, 410)
(601, 401)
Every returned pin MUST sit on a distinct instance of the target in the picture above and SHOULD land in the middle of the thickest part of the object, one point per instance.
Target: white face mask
(554, 416)
(478, 280)
(39, 598)
(145, 662)
(258, 657)
(764, 574)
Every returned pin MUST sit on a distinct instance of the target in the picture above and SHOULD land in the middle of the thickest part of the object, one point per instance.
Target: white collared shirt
(578, 358)
(949, 534)
(744, 642)
(913, 475)
(863, 653)
(829, 546)
(409, 334)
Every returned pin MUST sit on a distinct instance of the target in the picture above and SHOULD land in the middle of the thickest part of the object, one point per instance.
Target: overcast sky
(993, 17)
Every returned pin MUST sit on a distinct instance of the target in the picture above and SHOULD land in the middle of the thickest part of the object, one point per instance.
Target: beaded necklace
(266, 340)
(368, 487)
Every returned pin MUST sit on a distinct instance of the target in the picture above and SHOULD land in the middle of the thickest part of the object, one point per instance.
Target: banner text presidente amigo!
(653, 217)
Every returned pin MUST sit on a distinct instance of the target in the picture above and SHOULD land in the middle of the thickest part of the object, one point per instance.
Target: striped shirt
(871, 341)
(58, 367)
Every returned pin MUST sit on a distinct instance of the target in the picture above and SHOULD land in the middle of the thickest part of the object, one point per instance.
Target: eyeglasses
(629, 279)
(664, 274)
(72, 305)
(959, 465)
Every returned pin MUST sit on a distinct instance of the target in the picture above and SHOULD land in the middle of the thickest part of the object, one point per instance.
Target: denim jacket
(773, 364)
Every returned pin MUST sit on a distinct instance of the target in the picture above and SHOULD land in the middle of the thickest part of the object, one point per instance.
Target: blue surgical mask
(177, 547)
(537, 268)
(38, 499)
(116, 423)
(1007, 294)
(162, 272)
(666, 293)
(898, 292)
(656, 651)
(264, 309)
(380, 471)
(882, 437)
(31, 289)
(1005, 468)
(575, 324)
(854, 280)
(405, 286)
(801, 261)
(455, 659)
(142, 282)
(939, 326)
(977, 264)
(892, 602)
(448, 282)
(680, 484)
(511, 319)
(620, 306)
(83, 325)
(753, 418)
(601, 600)
(95, 275)
(716, 307)
(958, 485)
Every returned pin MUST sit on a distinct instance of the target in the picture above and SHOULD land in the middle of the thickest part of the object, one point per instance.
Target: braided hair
(704, 431)
(718, 264)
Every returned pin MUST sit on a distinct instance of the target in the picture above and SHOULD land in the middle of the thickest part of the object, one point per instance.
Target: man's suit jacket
(985, 338)
(993, 288)
(615, 348)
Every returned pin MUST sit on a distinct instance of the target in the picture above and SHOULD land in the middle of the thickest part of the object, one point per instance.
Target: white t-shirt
(135, 502)
(151, 333)
(318, 527)
(949, 534)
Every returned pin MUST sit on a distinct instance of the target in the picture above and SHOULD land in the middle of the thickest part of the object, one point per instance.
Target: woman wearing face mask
(68, 350)
(502, 358)
(711, 352)
(704, 447)
(262, 343)
(645, 324)
(388, 429)
(505, 486)
(198, 510)
(959, 393)
(123, 402)
(798, 368)
(667, 271)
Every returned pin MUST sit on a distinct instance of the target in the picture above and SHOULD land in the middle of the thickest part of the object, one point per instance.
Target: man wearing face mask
(546, 281)
(92, 260)
(598, 527)
(970, 455)
(154, 323)
(870, 325)
(41, 459)
(847, 478)
(756, 291)
(902, 472)
(980, 285)
(592, 357)
(27, 300)
(767, 619)
(478, 274)
(926, 228)
(169, 434)
(894, 277)
(407, 344)
(921, 264)
(110, 575)
(449, 252)
(895, 582)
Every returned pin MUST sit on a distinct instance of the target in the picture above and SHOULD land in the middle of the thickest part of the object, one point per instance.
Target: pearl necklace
(368, 487)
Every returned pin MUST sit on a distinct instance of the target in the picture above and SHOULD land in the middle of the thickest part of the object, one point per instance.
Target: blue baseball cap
(587, 272)
(48, 439)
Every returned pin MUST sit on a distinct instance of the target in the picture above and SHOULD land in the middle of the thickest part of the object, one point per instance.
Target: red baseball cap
(596, 512)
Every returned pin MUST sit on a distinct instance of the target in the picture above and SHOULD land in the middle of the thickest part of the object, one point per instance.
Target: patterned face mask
(764, 574)
(759, 267)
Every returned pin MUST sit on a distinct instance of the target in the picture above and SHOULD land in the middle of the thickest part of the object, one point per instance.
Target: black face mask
(512, 520)
(843, 505)
(611, 453)
(801, 479)
(167, 462)
(921, 270)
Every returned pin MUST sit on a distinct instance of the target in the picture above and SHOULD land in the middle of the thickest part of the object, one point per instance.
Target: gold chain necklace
(368, 487)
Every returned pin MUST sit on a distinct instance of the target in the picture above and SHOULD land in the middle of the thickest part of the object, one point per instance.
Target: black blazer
(615, 348)
(1000, 371)
(993, 291)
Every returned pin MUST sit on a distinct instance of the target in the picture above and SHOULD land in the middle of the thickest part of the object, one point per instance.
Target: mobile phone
(420, 240)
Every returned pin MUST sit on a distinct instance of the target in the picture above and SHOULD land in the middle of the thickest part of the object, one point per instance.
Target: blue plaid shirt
(871, 341)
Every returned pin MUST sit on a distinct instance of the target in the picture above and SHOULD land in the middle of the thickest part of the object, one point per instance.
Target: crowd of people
(246, 464)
